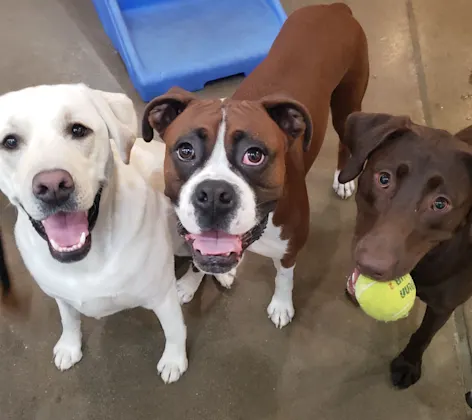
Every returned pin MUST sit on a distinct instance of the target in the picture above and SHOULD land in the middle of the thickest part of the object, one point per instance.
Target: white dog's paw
(172, 365)
(227, 279)
(67, 352)
(280, 312)
(343, 190)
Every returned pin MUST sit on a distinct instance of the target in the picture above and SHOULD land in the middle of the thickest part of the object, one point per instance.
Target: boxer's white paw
(280, 312)
(343, 190)
(172, 365)
(227, 279)
(188, 285)
(185, 292)
(67, 351)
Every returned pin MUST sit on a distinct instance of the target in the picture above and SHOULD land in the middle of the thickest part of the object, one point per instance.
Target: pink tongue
(216, 243)
(66, 228)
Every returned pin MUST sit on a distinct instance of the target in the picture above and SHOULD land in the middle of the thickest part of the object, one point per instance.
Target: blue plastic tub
(188, 43)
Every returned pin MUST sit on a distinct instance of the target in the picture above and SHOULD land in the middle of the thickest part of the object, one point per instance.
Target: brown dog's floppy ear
(164, 109)
(291, 116)
(363, 133)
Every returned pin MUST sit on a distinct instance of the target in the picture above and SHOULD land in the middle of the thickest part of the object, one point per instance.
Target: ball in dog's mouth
(68, 234)
(215, 252)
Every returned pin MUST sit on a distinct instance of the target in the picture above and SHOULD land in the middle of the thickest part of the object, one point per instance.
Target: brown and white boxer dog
(235, 168)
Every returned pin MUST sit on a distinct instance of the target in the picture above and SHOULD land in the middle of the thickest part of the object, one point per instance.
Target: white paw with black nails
(281, 312)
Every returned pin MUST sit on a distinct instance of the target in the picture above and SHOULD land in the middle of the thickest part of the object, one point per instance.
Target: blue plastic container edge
(118, 34)
(126, 48)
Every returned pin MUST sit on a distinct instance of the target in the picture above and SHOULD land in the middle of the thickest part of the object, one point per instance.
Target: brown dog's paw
(404, 373)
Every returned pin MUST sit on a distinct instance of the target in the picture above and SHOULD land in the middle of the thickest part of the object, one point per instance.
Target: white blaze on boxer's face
(218, 168)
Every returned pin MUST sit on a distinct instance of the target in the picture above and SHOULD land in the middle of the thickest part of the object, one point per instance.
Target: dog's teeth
(82, 240)
(55, 245)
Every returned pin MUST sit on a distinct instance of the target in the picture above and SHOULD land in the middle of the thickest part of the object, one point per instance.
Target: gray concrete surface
(331, 363)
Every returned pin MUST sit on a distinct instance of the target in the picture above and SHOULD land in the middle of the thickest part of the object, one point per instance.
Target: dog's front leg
(189, 283)
(406, 368)
(280, 309)
(174, 361)
(226, 279)
(68, 350)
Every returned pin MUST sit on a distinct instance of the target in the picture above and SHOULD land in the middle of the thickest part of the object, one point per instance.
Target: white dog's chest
(98, 286)
(99, 307)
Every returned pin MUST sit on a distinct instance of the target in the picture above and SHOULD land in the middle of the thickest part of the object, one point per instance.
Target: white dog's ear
(118, 112)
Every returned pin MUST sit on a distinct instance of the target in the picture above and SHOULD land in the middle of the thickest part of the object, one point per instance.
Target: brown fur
(318, 60)
(399, 230)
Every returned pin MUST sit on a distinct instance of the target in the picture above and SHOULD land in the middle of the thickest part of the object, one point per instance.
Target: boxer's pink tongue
(216, 243)
(67, 229)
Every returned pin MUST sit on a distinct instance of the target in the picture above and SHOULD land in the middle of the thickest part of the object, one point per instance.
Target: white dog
(91, 230)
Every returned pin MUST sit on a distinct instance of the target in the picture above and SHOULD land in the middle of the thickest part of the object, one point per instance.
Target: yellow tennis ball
(386, 301)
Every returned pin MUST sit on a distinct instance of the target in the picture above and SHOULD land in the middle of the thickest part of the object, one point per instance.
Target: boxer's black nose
(214, 198)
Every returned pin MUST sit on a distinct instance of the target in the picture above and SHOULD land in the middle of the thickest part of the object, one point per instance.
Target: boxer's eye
(185, 152)
(253, 156)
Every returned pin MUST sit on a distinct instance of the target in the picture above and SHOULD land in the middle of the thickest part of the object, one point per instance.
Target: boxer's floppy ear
(291, 116)
(164, 109)
(363, 134)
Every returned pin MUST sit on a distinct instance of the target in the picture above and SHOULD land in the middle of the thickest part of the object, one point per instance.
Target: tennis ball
(386, 301)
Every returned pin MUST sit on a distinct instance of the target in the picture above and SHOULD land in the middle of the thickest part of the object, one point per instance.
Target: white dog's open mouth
(68, 234)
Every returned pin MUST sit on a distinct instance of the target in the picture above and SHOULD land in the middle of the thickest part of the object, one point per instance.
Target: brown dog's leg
(405, 370)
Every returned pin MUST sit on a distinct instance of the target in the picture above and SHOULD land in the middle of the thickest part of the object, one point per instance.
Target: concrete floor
(331, 363)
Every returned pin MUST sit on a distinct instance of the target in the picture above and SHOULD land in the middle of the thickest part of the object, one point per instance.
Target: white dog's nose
(53, 187)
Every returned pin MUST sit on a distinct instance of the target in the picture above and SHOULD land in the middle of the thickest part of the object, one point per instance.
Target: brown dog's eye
(79, 131)
(440, 204)
(186, 152)
(383, 179)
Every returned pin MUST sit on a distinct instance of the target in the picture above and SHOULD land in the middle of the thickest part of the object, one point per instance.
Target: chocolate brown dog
(235, 169)
(414, 204)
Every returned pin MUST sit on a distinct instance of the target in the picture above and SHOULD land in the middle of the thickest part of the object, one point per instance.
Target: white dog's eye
(78, 130)
(10, 142)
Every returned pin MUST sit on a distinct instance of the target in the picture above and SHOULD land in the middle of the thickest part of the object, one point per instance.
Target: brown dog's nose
(53, 187)
(376, 265)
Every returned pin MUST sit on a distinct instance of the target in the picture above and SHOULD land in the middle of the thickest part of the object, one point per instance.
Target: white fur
(217, 167)
(131, 261)
(343, 190)
(269, 245)
(281, 310)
